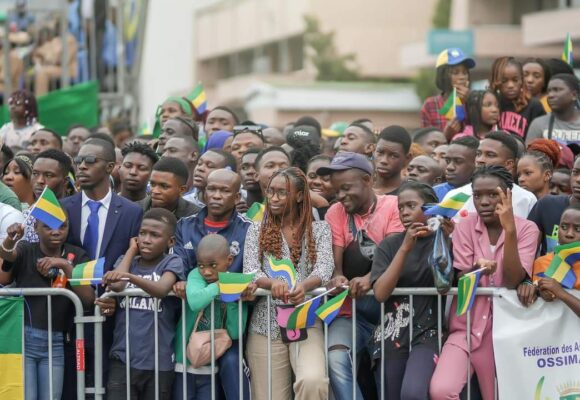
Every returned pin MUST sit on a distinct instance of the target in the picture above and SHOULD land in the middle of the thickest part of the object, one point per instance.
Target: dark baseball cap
(345, 160)
(304, 132)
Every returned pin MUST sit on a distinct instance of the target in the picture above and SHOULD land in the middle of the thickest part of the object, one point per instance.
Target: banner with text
(537, 349)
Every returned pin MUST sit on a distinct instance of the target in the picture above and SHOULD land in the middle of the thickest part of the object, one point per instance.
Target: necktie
(91, 238)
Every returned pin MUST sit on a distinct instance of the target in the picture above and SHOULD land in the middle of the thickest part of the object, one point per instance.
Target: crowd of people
(213, 194)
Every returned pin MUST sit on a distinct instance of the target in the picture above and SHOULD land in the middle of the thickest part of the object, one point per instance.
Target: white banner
(537, 349)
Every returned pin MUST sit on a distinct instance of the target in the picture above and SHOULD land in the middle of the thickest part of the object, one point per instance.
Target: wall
(168, 60)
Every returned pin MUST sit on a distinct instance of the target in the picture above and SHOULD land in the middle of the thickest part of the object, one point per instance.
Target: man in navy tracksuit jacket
(190, 231)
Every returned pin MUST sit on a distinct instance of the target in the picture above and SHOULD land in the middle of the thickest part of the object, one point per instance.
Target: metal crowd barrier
(79, 320)
(411, 292)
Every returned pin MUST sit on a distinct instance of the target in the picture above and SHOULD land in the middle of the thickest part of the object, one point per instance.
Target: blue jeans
(340, 344)
(36, 383)
(198, 387)
(229, 374)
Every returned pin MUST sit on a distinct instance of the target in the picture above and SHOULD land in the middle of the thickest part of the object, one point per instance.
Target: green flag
(11, 360)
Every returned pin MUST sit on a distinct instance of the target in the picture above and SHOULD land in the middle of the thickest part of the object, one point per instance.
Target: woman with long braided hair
(288, 231)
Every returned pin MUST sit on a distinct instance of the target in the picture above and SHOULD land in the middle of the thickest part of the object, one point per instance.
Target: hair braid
(495, 80)
(270, 240)
(546, 152)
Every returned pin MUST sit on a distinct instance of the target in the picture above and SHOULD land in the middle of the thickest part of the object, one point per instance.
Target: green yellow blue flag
(567, 55)
(453, 108)
(560, 268)
(198, 99)
(449, 206)
(47, 209)
(11, 359)
(329, 310)
(284, 269)
(233, 284)
(256, 212)
(466, 288)
(304, 316)
(89, 273)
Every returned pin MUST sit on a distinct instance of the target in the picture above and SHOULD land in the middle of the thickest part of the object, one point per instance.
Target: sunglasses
(88, 160)
(255, 129)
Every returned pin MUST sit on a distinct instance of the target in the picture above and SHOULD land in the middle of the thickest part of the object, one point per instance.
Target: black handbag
(358, 256)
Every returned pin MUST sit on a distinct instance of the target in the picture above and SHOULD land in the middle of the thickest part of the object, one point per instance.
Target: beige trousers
(305, 358)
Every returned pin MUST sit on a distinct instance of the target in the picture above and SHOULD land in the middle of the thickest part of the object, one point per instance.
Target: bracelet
(8, 250)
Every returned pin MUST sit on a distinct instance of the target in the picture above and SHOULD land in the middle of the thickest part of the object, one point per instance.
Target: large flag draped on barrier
(537, 349)
(11, 360)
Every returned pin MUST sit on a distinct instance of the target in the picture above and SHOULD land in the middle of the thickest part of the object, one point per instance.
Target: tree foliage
(330, 65)
(442, 14)
(425, 79)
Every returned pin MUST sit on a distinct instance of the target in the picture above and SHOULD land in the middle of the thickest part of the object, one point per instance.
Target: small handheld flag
(329, 310)
(47, 209)
(89, 273)
(567, 55)
(453, 108)
(233, 284)
(304, 316)
(283, 268)
(449, 206)
(466, 288)
(256, 212)
(560, 268)
(198, 99)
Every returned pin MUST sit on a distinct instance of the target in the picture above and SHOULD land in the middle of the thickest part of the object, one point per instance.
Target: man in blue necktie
(96, 211)
(95, 225)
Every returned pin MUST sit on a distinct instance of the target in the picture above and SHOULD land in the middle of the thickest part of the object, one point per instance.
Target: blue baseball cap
(345, 160)
(454, 56)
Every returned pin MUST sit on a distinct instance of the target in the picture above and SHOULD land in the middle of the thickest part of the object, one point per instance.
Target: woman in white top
(23, 119)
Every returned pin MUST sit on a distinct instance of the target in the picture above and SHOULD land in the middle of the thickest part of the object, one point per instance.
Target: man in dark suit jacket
(95, 162)
(95, 222)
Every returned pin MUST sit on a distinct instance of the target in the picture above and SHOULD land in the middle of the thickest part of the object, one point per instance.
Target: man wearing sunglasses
(246, 137)
(95, 217)
(95, 212)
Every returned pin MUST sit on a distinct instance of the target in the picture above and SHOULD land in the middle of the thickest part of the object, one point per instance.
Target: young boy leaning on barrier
(37, 265)
(147, 266)
(213, 257)
(548, 288)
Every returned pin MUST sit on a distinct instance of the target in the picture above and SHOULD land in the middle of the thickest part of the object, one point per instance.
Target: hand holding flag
(284, 269)
(560, 268)
(233, 284)
(449, 206)
(304, 315)
(47, 209)
(453, 107)
(89, 273)
(329, 310)
(466, 288)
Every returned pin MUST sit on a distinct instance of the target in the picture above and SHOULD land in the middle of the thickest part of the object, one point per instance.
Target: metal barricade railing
(79, 320)
(411, 292)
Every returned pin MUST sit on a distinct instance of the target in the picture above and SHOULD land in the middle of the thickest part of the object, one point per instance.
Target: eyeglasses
(282, 193)
(255, 129)
(89, 160)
